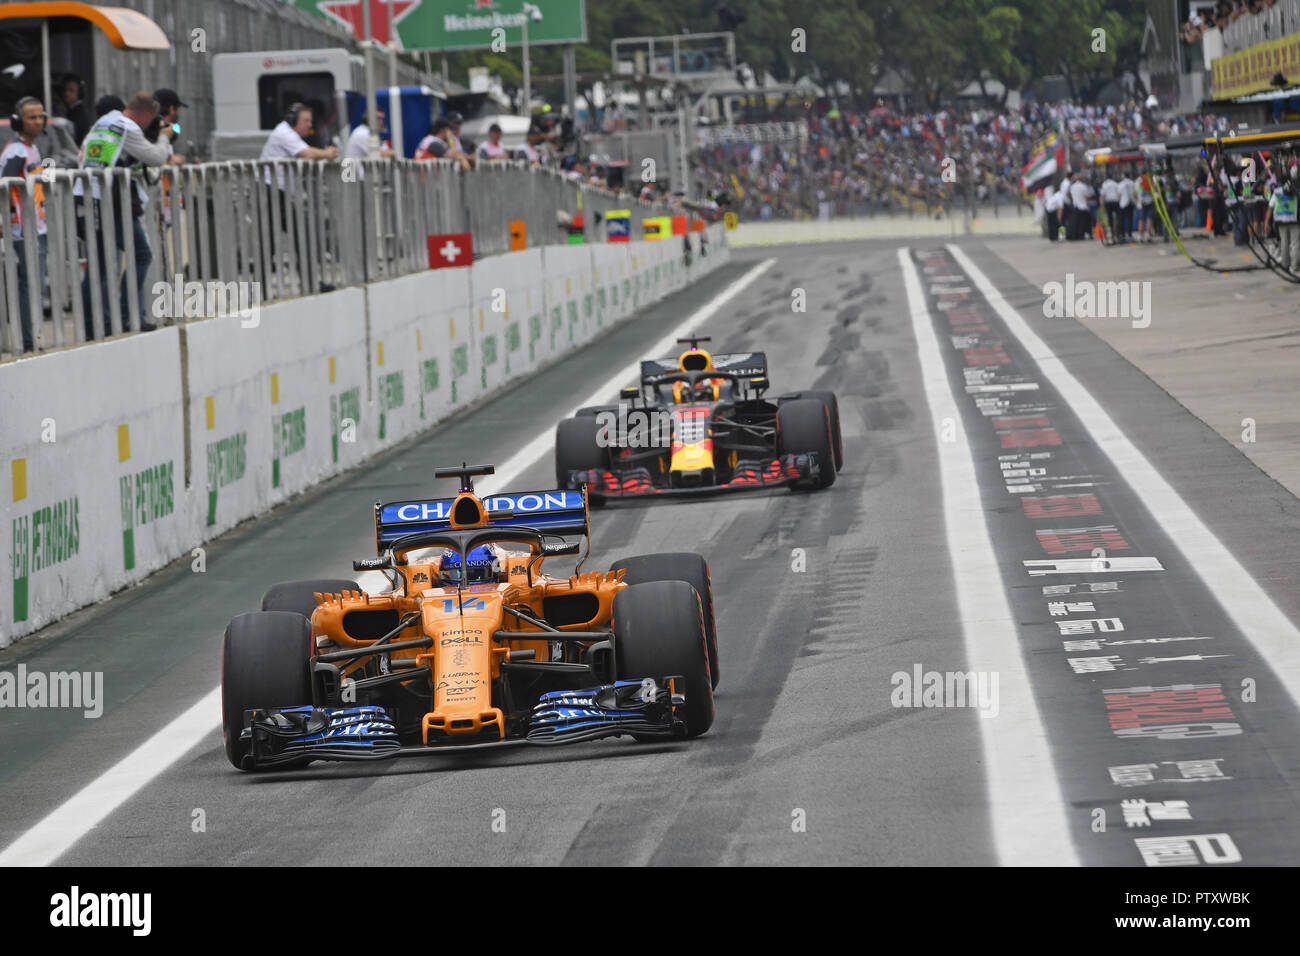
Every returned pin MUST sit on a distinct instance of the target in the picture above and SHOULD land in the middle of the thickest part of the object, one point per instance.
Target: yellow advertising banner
(1252, 70)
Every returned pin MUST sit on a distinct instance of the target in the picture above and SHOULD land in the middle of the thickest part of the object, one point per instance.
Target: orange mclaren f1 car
(699, 424)
(471, 645)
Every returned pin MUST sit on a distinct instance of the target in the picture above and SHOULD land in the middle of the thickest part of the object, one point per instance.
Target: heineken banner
(457, 24)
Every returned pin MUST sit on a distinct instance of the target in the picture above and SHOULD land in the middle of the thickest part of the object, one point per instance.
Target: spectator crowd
(883, 161)
(1224, 12)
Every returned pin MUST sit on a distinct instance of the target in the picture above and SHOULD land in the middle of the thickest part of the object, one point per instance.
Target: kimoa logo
(978, 689)
(74, 690)
(1084, 299)
(76, 909)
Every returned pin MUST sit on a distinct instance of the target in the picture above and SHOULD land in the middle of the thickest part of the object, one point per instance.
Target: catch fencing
(283, 228)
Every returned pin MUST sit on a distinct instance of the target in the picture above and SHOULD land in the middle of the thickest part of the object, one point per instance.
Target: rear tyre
(802, 427)
(679, 566)
(659, 631)
(833, 407)
(264, 663)
(576, 448)
(299, 596)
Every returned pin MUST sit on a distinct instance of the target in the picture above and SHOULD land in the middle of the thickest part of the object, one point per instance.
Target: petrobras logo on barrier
(530, 503)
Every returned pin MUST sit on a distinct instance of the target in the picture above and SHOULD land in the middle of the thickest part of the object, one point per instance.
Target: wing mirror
(382, 563)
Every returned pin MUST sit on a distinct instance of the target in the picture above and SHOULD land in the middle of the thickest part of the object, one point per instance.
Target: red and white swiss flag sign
(451, 249)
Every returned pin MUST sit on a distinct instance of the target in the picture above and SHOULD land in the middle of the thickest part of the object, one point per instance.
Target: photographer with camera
(117, 139)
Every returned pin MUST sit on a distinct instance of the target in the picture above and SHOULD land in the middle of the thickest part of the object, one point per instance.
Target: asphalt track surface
(914, 561)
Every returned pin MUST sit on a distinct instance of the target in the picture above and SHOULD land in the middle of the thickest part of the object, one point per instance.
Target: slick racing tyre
(299, 596)
(804, 426)
(659, 632)
(576, 448)
(679, 566)
(833, 407)
(264, 663)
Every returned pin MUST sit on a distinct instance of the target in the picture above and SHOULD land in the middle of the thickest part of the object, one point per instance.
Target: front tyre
(659, 631)
(803, 427)
(679, 566)
(300, 596)
(832, 404)
(577, 448)
(265, 662)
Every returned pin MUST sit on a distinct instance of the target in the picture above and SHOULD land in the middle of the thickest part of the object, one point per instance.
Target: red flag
(451, 249)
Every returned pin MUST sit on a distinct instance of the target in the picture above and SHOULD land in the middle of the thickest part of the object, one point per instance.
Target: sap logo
(460, 640)
(418, 577)
(469, 604)
(518, 569)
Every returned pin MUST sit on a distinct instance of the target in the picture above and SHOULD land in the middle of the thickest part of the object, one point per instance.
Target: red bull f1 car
(699, 424)
(472, 645)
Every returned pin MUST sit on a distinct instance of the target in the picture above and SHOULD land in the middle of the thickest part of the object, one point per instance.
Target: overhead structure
(126, 29)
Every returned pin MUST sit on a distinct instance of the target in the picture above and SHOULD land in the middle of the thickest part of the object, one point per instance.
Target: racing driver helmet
(481, 566)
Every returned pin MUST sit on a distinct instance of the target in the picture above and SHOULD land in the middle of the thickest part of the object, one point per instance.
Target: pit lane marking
(1027, 809)
(1259, 621)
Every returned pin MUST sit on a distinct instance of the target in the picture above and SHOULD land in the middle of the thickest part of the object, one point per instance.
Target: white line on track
(1027, 810)
(1260, 621)
(77, 816)
(65, 825)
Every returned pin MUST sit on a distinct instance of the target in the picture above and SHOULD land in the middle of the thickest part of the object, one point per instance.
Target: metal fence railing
(292, 227)
(707, 136)
(1280, 19)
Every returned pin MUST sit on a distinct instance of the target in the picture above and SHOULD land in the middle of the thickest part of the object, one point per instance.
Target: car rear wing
(559, 512)
(752, 364)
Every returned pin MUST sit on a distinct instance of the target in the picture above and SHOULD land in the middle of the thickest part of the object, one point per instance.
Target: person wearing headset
(22, 158)
(288, 141)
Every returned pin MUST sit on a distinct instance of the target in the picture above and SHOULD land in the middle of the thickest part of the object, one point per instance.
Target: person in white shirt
(1079, 200)
(531, 150)
(287, 141)
(493, 149)
(1125, 207)
(117, 139)
(1053, 204)
(21, 158)
(1110, 200)
(358, 145)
